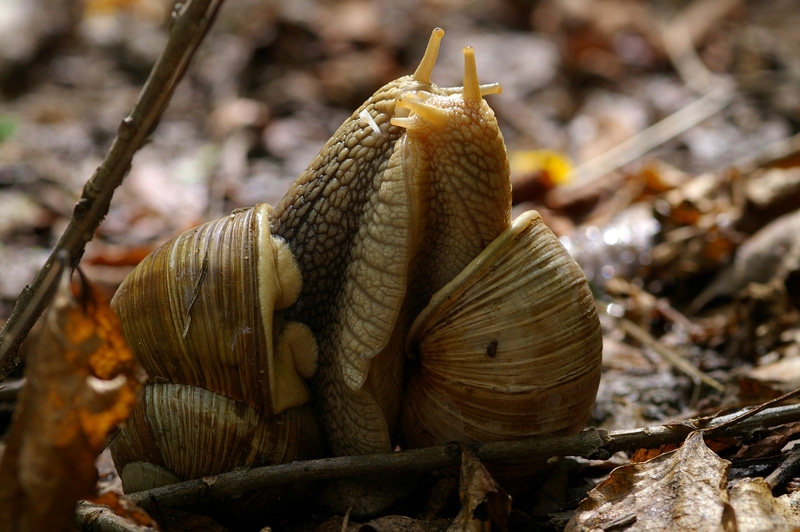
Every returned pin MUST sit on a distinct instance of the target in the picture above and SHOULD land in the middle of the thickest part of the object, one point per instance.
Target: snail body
(304, 312)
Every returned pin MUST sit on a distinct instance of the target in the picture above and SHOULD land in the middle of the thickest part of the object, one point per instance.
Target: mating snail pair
(281, 334)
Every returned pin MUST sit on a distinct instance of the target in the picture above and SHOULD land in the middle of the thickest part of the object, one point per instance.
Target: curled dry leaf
(483, 500)
(123, 508)
(756, 509)
(685, 489)
(770, 445)
(771, 253)
(81, 383)
(771, 192)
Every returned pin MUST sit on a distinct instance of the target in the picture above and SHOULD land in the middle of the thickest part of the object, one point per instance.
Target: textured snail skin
(379, 221)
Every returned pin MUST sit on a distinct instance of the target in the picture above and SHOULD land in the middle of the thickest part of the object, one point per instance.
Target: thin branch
(716, 95)
(676, 359)
(682, 34)
(785, 471)
(638, 145)
(591, 443)
(190, 24)
(749, 413)
(91, 517)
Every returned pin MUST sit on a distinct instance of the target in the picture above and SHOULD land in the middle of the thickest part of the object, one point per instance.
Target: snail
(278, 334)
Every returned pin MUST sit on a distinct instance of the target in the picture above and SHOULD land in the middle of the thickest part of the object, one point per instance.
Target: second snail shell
(294, 323)
(508, 349)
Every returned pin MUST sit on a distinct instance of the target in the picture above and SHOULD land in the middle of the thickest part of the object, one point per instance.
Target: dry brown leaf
(643, 455)
(756, 509)
(124, 508)
(81, 383)
(483, 500)
(773, 378)
(771, 444)
(684, 489)
(770, 254)
(754, 390)
(774, 191)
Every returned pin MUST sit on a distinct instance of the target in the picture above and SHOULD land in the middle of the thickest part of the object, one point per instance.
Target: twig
(748, 413)
(10, 390)
(682, 34)
(786, 470)
(591, 443)
(678, 42)
(650, 138)
(669, 355)
(772, 153)
(191, 22)
(91, 517)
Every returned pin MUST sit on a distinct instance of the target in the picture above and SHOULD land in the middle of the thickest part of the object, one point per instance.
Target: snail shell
(510, 348)
(202, 314)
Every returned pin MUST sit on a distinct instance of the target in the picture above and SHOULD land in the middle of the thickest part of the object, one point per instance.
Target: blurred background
(635, 127)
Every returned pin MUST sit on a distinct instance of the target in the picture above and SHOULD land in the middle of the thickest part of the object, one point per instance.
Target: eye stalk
(425, 68)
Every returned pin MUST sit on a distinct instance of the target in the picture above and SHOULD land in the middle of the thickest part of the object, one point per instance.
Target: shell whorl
(510, 348)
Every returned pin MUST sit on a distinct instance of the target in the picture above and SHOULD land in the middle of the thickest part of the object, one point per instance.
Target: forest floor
(657, 140)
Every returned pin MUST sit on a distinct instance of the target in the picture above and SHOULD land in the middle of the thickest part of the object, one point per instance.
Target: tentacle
(415, 102)
(472, 89)
(425, 68)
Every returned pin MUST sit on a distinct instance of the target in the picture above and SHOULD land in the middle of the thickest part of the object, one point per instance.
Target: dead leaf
(774, 378)
(483, 500)
(643, 455)
(684, 489)
(771, 253)
(124, 508)
(756, 509)
(81, 383)
(771, 444)
(772, 192)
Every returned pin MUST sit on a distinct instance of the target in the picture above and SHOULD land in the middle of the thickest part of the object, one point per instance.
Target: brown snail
(397, 238)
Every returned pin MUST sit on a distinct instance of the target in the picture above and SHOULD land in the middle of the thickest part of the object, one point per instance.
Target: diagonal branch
(191, 21)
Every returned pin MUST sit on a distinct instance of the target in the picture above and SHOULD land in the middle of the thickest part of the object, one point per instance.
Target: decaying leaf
(771, 253)
(769, 445)
(81, 383)
(643, 455)
(122, 507)
(756, 509)
(483, 501)
(685, 489)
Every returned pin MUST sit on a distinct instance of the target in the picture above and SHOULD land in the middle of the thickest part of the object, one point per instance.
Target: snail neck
(461, 190)
(377, 225)
(348, 223)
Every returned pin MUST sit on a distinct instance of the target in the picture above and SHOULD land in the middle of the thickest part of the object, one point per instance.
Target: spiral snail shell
(507, 349)
(275, 335)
